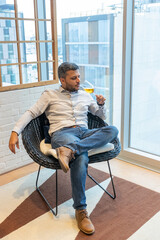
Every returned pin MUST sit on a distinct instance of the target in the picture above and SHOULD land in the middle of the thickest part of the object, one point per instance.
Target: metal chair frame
(42, 195)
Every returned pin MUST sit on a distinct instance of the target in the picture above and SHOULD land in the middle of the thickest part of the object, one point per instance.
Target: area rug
(134, 214)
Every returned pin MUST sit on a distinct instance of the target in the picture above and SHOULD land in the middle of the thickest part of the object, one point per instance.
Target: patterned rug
(134, 214)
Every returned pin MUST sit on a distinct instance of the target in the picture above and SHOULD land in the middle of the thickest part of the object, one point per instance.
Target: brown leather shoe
(84, 222)
(64, 156)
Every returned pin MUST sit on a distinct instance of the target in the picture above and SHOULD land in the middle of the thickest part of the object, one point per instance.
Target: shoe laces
(67, 154)
(83, 214)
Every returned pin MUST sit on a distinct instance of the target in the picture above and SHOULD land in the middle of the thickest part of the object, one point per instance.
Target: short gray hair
(64, 67)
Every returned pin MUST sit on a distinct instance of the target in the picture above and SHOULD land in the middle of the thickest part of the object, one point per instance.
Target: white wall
(12, 105)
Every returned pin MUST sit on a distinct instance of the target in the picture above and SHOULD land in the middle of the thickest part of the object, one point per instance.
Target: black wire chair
(33, 134)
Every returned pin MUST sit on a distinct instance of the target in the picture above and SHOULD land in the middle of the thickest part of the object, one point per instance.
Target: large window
(145, 110)
(27, 43)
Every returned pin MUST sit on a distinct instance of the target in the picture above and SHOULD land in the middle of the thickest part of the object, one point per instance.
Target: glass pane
(93, 54)
(44, 30)
(50, 64)
(45, 51)
(10, 75)
(145, 114)
(77, 32)
(7, 9)
(77, 53)
(48, 9)
(72, 53)
(93, 31)
(44, 9)
(26, 30)
(25, 9)
(103, 36)
(7, 30)
(8, 53)
(103, 54)
(28, 52)
(83, 54)
(91, 36)
(29, 73)
(46, 71)
(49, 48)
(49, 37)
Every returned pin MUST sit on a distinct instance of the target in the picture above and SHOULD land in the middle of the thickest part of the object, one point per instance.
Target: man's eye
(74, 78)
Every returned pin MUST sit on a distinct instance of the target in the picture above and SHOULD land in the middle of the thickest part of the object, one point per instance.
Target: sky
(65, 8)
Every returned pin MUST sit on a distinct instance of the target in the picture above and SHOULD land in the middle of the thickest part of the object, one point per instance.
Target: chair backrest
(95, 121)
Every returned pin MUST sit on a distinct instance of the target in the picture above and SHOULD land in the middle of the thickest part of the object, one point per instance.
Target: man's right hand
(13, 141)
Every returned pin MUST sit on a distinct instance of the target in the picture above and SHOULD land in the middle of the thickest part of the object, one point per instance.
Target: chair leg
(39, 191)
(113, 188)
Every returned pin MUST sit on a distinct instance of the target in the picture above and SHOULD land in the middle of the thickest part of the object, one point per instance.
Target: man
(66, 109)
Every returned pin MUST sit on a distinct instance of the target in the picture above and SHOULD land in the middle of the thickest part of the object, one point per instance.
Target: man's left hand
(100, 100)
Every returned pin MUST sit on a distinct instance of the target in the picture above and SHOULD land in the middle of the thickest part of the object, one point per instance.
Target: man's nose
(78, 79)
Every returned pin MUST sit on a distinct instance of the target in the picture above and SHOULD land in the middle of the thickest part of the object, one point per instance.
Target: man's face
(72, 81)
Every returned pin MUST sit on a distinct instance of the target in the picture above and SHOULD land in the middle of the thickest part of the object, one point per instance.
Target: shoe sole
(88, 233)
(64, 167)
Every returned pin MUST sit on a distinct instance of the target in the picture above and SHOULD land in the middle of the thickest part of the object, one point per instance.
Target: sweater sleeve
(95, 109)
(22, 122)
(36, 110)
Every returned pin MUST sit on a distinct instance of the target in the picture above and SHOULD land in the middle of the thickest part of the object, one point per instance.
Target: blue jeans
(81, 140)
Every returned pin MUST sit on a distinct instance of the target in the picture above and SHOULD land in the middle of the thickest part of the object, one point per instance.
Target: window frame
(53, 41)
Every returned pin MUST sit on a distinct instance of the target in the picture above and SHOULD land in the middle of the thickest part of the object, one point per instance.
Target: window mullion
(126, 72)
(0, 78)
(37, 39)
(18, 43)
(54, 38)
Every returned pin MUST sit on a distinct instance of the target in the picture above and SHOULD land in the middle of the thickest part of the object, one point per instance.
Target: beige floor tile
(18, 173)
(133, 173)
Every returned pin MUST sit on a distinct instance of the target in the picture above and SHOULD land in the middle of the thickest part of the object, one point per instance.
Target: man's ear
(62, 80)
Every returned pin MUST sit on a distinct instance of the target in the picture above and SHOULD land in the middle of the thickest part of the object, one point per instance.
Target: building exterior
(88, 41)
(8, 49)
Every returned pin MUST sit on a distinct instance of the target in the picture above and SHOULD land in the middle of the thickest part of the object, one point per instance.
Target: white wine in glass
(87, 86)
(89, 90)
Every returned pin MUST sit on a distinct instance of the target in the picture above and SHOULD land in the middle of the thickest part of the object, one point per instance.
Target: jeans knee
(114, 131)
(83, 160)
(80, 162)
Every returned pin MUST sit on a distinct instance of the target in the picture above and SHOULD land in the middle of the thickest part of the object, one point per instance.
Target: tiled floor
(65, 220)
(138, 175)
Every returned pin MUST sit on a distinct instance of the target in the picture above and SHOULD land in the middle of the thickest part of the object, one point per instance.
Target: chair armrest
(31, 138)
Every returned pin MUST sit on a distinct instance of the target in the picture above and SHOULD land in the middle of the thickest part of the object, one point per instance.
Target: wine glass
(87, 86)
